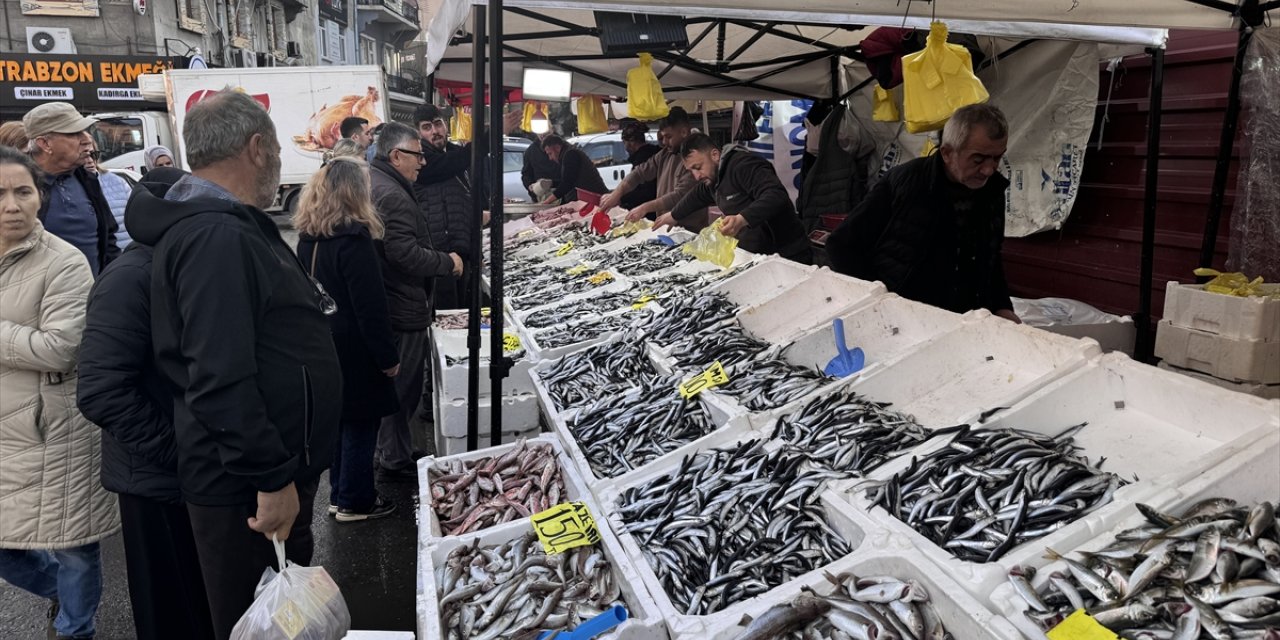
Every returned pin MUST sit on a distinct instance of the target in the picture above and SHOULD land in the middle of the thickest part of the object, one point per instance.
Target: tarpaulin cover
(1255, 224)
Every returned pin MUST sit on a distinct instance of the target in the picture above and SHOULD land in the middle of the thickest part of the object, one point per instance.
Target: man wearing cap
(639, 150)
(76, 209)
(667, 168)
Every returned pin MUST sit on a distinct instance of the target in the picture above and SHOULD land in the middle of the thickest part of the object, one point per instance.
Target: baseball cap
(54, 117)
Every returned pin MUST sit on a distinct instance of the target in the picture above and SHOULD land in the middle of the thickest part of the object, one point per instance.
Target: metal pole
(1226, 145)
(477, 259)
(497, 359)
(1145, 342)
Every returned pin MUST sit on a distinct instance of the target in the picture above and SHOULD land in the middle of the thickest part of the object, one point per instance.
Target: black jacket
(645, 191)
(837, 180)
(120, 388)
(408, 257)
(537, 166)
(747, 185)
(108, 250)
(346, 263)
(444, 193)
(577, 172)
(237, 328)
(904, 235)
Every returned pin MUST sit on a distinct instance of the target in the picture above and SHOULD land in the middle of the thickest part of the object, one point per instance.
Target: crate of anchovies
(716, 532)
(576, 281)
(450, 358)
(1109, 434)
(1202, 560)
(573, 381)
(501, 583)
(562, 339)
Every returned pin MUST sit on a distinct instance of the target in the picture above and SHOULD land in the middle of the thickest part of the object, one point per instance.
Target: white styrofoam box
(763, 281)
(1219, 356)
(962, 615)
(450, 382)
(552, 353)
(429, 522)
(643, 621)
(447, 446)
(1249, 477)
(519, 414)
(1256, 389)
(815, 300)
(1251, 318)
(378, 635)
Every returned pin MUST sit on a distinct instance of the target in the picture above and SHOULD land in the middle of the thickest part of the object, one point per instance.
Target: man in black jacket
(576, 170)
(757, 209)
(537, 166)
(238, 330)
(639, 151)
(931, 229)
(122, 391)
(410, 262)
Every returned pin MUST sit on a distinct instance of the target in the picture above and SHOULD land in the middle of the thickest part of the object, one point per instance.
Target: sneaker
(333, 509)
(52, 634)
(381, 509)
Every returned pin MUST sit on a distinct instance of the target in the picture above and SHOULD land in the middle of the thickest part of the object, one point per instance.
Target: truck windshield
(118, 136)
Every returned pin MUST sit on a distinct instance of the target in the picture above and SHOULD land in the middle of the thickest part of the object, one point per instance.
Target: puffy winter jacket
(410, 261)
(444, 194)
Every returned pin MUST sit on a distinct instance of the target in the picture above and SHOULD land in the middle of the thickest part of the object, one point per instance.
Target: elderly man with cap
(76, 209)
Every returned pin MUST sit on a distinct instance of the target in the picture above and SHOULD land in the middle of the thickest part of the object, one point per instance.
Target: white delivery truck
(307, 105)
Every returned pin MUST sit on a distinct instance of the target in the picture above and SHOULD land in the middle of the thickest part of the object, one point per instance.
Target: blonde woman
(336, 224)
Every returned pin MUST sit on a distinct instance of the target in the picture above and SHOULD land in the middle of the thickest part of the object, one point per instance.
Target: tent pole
(1145, 342)
(498, 364)
(477, 205)
(835, 77)
(1226, 145)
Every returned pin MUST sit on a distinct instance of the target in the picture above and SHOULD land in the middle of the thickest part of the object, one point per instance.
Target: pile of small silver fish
(537, 291)
(573, 311)
(629, 428)
(468, 496)
(666, 285)
(990, 490)
(534, 280)
(454, 321)
(860, 607)
(690, 316)
(730, 524)
(580, 378)
(1212, 571)
(514, 590)
(588, 329)
(848, 433)
(639, 259)
(729, 345)
(768, 383)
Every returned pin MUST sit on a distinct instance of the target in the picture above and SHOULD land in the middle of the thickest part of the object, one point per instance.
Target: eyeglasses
(95, 154)
(422, 157)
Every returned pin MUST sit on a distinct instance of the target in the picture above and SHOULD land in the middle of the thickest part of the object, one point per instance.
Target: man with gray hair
(240, 337)
(931, 229)
(410, 264)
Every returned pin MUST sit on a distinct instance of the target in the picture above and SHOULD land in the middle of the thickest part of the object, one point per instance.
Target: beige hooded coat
(51, 496)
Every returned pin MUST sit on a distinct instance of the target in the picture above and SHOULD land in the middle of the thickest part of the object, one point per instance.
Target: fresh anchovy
(484, 357)
(454, 321)
(1175, 586)
(732, 523)
(729, 345)
(549, 284)
(990, 490)
(873, 607)
(619, 433)
(846, 432)
(690, 316)
(578, 379)
(468, 496)
(638, 259)
(575, 311)
(768, 383)
(590, 329)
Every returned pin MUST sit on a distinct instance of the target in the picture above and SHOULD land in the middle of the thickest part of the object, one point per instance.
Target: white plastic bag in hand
(298, 603)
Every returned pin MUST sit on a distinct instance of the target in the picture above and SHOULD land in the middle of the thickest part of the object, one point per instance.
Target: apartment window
(276, 33)
(333, 41)
(368, 51)
(191, 15)
(390, 60)
(240, 23)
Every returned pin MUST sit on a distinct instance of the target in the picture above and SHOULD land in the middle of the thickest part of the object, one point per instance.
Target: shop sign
(88, 82)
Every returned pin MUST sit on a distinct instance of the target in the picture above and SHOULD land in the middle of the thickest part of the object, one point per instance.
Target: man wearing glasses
(75, 210)
(410, 264)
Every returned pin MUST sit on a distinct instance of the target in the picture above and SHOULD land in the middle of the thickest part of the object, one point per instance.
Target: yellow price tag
(712, 377)
(565, 526)
(484, 311)
(510, 342)
(526, 233)
(1080, 626)
(600, 278)
(564, 248)
(642, 301)
(578, 270)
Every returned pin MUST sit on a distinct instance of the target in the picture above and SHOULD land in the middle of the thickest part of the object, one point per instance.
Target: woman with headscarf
(156, 157)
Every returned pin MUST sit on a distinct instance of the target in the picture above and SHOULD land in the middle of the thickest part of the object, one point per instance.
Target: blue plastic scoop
(847, 361)
(611, 618)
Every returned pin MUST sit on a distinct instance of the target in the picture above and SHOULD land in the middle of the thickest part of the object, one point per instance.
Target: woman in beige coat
(53, 509)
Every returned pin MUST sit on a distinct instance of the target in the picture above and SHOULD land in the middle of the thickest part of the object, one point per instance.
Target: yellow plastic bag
(936, 81)
(460, 125)
(712, 246)
(930, 146)
(591, 118)
(644, 94)
(531, 107)
(1231, 284)
(885, 108)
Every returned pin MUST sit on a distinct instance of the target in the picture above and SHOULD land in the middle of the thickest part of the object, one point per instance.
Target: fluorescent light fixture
(539, 122)
(547, 84)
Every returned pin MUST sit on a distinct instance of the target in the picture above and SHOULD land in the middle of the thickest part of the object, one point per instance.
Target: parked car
(605, 150)
(512, 162)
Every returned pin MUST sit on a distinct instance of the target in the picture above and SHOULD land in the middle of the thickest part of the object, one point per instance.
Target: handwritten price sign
(642, 301)
(510, 342)
(564, 248)
(600, 278)
(1080, 626)
(565, 526)
(712, 377)
(578, 270)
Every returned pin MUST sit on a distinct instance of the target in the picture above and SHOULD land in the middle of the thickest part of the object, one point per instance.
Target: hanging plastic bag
(298, 603)
(885, 108)
(645, 101)
(460, 125)
(712, 246)
(930, 145)
(937, 81)
(591, 118)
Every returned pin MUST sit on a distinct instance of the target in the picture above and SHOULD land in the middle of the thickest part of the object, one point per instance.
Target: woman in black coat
(337, 224)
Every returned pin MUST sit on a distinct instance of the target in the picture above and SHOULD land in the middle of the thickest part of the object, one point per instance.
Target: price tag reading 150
(565, 526)
(712, 377)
